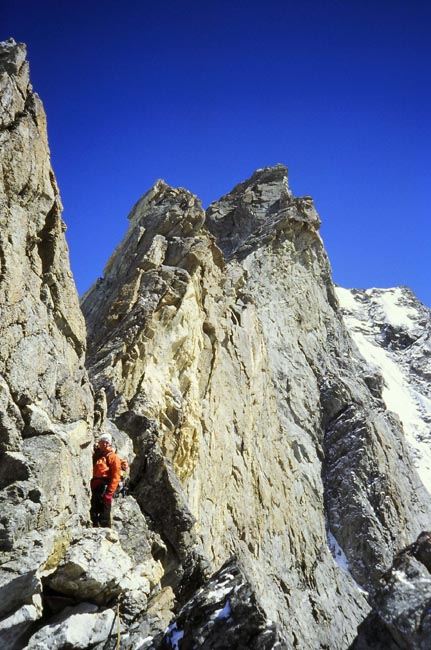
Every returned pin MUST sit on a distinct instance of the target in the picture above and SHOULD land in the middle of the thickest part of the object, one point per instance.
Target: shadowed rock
(401, 615)
(223, 614)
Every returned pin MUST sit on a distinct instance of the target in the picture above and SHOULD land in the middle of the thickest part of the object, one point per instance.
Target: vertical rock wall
(45, 397)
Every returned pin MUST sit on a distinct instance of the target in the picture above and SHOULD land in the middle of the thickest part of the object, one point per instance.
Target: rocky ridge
(259, 438)
(239, 320)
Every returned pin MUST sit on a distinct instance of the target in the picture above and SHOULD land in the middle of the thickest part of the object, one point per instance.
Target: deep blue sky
(202, 94)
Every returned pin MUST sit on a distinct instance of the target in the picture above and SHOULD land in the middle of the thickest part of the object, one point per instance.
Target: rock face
(259, 439)
(223, 614)
(45, 397)
(239, 360)
(401, 616)
(81, 627)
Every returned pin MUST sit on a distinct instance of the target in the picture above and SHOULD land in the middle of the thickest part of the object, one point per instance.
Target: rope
(118, 628)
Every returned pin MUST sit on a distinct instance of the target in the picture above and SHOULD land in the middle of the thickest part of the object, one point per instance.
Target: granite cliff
(272, 481)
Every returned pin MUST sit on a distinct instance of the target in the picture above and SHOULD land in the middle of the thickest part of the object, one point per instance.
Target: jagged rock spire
(256, 210)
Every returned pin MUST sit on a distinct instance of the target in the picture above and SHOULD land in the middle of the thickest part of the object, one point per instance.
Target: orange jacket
(107, 466)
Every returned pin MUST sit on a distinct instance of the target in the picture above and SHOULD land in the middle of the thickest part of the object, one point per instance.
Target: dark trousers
(99, 512)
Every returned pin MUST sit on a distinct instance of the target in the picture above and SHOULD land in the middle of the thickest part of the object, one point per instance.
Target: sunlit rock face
(45, 398)
(258, 436)
(223, 331)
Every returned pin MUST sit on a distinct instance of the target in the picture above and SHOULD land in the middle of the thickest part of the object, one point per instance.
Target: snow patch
(141, 642)
(224, 612)
(174, 636)
(395, 313)
(338, 553)
(221, 590)
(402, 399)
(341, 559)
(401, 577)
(347, 299)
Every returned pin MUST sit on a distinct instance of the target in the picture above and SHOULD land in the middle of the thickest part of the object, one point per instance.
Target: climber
(106, 477)
(100, 408)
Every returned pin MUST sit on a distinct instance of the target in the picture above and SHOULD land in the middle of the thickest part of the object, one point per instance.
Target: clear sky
(203, 93)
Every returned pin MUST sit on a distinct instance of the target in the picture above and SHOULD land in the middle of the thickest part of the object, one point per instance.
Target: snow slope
(392, 330)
